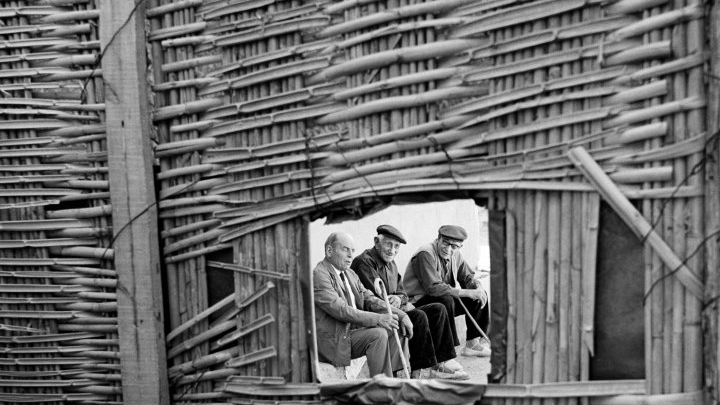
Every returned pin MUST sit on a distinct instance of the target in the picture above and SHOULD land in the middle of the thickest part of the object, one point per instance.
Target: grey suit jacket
(333, 316)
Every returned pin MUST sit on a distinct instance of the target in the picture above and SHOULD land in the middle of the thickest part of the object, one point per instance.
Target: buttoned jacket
(334, 317)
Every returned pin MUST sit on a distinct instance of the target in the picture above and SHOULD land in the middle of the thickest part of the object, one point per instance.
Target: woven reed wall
(269, 112)
(58, 308)
(303, 108)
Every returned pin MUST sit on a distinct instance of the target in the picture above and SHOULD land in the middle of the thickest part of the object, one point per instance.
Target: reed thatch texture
(272, 112)
(58, 312)
(338, 107)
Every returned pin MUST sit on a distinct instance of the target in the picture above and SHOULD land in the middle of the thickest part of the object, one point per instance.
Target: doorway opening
(419, 223)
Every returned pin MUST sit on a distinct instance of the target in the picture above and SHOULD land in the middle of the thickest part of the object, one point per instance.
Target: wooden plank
(566, 389)
(140, 310)
(693, 355)
(712, 205)
(634, 219)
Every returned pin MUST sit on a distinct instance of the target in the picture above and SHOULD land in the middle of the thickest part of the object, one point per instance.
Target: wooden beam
(633, 218)
(134, 214)
(711, 321)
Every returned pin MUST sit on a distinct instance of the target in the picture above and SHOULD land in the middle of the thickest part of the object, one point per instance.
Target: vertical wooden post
(712, 214)
(137, 255)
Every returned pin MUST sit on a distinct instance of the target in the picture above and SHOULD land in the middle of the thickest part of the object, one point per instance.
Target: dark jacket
(369, 266)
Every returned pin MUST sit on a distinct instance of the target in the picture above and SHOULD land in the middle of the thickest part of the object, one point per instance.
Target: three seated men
(352, 318)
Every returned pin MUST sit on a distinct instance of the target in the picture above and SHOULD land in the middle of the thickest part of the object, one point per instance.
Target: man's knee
(448, 301)
(418, 318)
(377, 335)
(435, 311)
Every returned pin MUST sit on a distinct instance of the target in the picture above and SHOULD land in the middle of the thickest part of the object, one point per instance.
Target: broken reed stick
(161, 10)
(388, 57)
(400, 163)
(387, 148)
(202, 362)
(664, 69)
(400, 102)
(388, 30)
(396, 135)
(200, 316)
(509, 16)
(669, 18)
(399, 13)
(605, 186)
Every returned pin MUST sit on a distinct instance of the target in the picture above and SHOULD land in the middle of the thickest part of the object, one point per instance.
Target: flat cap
(453, 232)
(392, 232)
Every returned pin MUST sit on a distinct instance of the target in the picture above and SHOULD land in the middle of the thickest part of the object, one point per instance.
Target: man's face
(447, 247)
(387, 248)
(340, 254)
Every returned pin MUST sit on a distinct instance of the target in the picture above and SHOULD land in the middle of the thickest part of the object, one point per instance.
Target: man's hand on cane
(395, 300)
(406, 327)
(389, 322)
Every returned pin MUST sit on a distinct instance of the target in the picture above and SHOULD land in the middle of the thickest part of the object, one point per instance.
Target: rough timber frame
(132, 189)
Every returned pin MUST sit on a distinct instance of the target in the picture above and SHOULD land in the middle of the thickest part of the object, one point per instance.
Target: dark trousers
(452, 306)
(432, 340)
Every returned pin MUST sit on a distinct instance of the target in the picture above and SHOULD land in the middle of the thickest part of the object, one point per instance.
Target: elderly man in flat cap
(431, 348)
(437, 272)
(351, 321)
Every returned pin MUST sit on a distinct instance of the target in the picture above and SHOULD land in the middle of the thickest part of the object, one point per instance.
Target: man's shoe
(458, 375)
(479, 350)
(450, 366)
(422, 374)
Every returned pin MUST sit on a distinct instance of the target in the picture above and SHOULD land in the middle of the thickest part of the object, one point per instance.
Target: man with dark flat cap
(438, 273)
(431, 347)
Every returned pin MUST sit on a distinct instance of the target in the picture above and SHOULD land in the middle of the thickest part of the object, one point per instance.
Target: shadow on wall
(419, 224)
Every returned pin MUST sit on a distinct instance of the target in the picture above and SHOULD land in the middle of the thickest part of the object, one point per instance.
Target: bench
(357, 369)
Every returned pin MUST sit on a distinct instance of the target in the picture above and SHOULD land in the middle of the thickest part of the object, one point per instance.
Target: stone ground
(477, 367)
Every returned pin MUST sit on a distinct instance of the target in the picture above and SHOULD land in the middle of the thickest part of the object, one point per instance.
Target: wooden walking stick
(469, 315)
(380, 289)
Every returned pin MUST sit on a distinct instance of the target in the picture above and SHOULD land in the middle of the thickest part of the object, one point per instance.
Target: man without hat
(351, 321)
(431, 347)
(438, 273)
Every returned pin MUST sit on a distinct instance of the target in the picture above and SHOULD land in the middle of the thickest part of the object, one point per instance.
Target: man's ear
(376, 240)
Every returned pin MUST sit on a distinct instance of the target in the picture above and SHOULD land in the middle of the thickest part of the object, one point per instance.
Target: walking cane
(471, 319)
(380, 289)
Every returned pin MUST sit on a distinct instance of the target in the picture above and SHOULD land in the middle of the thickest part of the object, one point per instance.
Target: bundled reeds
(316, 108)
(59, 306)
